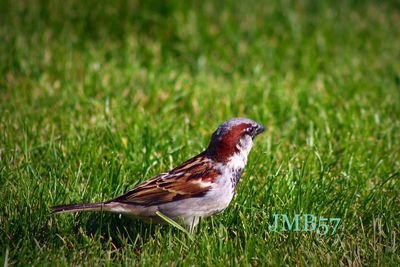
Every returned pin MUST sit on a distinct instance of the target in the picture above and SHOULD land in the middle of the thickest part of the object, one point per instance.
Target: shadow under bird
(198, 188)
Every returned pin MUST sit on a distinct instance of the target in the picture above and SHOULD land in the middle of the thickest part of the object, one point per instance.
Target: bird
(198, 188)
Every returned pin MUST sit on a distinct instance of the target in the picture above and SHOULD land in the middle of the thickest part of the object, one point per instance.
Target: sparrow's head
(234, 136)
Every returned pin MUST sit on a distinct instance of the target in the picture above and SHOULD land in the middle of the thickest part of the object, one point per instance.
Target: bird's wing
(191, 179)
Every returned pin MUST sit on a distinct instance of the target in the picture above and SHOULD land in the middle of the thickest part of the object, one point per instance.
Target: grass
(96, 97)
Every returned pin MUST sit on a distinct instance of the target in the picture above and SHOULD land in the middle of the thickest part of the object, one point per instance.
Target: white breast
(218, 197)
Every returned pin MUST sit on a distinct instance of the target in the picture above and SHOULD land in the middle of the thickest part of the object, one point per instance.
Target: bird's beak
(259, 130)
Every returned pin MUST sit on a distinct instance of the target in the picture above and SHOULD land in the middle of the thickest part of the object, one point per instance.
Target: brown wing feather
(190, 179)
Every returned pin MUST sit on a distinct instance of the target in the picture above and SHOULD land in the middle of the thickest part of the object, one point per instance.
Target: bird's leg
(191, 225)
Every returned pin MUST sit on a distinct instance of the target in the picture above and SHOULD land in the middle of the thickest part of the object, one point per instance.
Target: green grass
(97, 96)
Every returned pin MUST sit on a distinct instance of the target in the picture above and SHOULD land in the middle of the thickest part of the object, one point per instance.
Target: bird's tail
(79, 207)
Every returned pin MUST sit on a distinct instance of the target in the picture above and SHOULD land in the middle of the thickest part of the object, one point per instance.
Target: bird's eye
(250, 131)
(247, 131)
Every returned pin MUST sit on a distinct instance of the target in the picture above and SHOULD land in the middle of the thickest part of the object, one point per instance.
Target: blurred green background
(96, 96)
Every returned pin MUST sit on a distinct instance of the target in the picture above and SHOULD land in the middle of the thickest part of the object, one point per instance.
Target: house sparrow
(198, 188)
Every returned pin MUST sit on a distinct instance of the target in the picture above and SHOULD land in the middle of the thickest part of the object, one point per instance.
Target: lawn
(98, 96)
